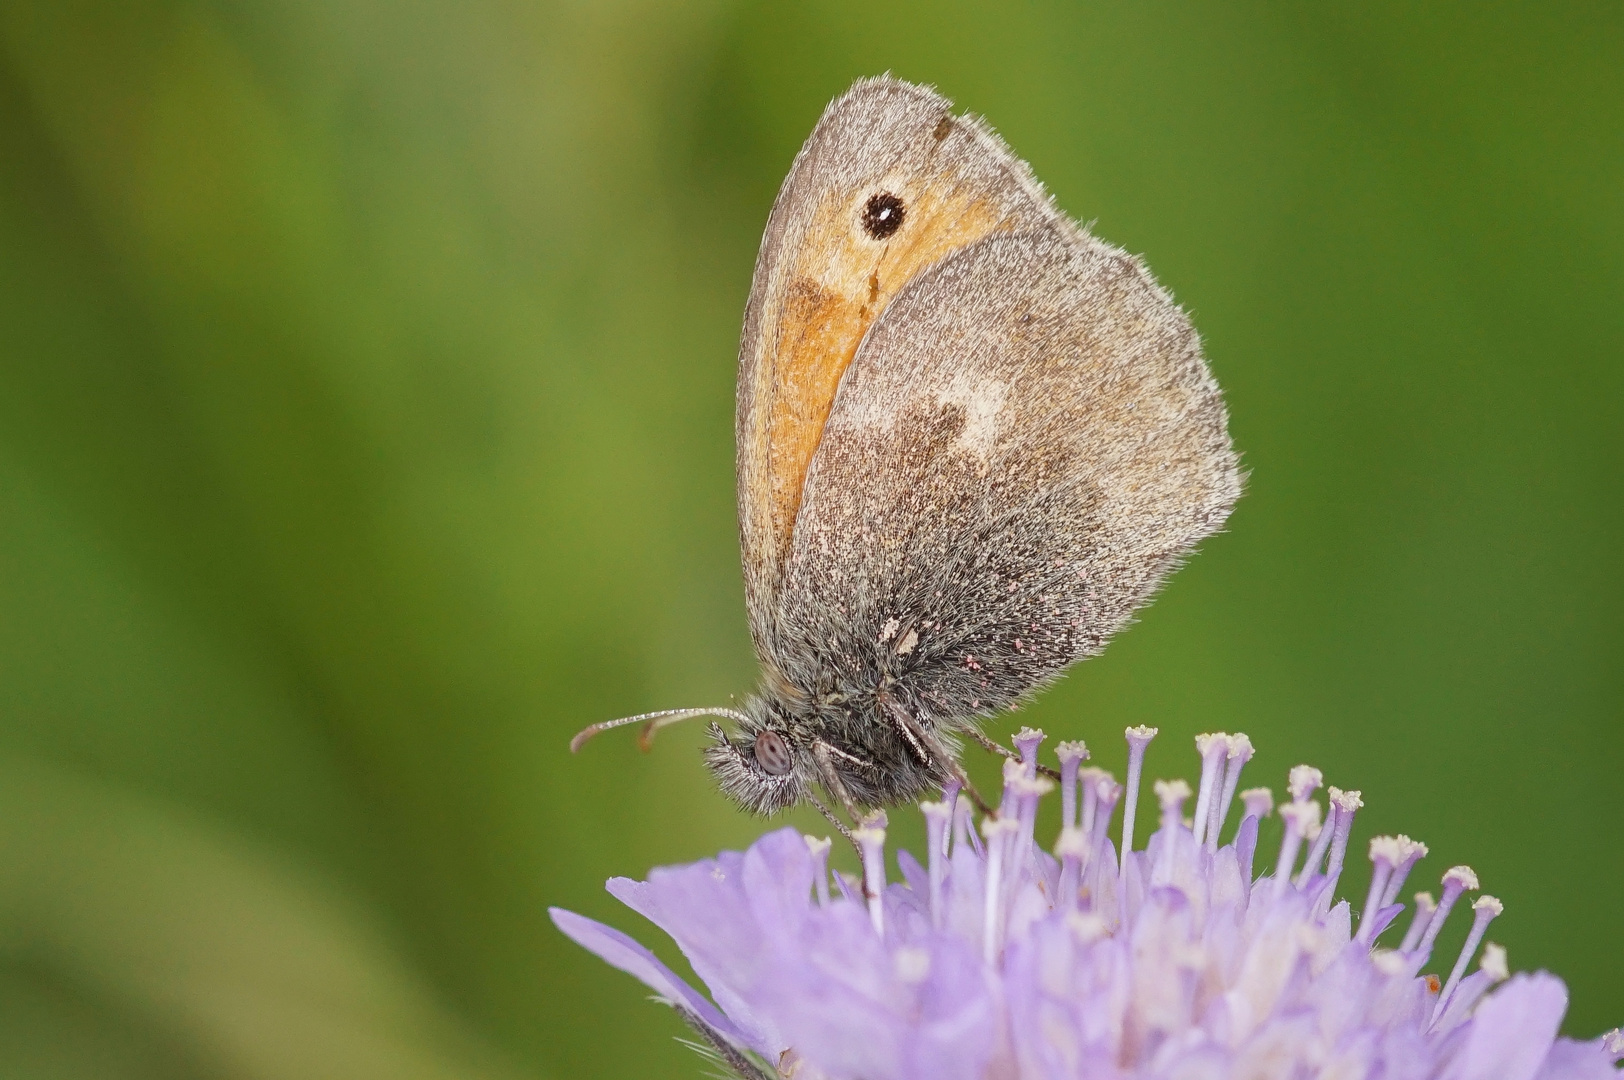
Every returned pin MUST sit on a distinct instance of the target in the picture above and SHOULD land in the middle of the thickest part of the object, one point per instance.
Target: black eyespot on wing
(882, 215)
(772, 753)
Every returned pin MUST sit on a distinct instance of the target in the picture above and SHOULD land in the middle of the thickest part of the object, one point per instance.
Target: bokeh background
(365, 429)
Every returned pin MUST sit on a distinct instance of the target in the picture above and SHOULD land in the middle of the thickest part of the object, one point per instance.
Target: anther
(1259, 803)
(1303, 781)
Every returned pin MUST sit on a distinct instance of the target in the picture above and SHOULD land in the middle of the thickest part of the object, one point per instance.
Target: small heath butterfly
(972, 440)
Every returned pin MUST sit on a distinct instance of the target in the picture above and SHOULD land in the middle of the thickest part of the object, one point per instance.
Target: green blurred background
(365, 429)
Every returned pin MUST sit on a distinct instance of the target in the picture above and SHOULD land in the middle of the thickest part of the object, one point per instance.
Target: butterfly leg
(1000, 748)
(907, 726)
(825, 755)
(840, 826)
(968, 789)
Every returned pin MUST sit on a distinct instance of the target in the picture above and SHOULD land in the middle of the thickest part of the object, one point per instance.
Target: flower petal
(1512, 1030)
(1570, 1059)
(629, 956)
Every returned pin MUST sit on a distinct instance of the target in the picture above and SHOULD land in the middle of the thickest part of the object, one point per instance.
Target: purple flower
(997, 959)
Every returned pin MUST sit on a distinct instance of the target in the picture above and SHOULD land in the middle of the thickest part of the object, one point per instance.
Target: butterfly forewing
(888, 184)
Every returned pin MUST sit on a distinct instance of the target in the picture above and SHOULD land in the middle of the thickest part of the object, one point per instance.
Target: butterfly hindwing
(1026, 443)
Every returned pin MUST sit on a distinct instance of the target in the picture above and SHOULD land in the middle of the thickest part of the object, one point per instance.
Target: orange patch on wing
(820, 335)
(840, 286)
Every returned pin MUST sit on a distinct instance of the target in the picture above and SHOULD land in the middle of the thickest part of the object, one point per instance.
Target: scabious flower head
(997, 960)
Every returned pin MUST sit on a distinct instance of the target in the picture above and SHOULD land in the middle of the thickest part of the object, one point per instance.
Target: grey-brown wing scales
(1025, 444)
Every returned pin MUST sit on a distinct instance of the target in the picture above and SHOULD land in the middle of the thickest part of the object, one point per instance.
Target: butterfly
(972, 440)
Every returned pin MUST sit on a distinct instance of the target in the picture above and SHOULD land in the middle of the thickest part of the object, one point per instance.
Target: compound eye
(772, 754)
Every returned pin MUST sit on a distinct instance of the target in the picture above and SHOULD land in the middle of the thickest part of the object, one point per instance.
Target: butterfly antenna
(652, 722)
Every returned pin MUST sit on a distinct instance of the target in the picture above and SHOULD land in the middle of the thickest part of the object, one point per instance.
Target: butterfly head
(765, 766)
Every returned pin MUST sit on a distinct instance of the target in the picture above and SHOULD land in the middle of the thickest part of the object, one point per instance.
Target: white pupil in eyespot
(772, 754)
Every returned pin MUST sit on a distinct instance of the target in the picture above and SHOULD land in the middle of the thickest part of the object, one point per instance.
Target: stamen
(1491, 970)
(1088, 927)
(998, 831)
(1071, 849)
(1138, 738)
(961, 822)
(1106, 793)
(1385, 853)
(964, 829)
(1457, 879)
(1346, 802)
(1259, 803)
(1425, 905)
(1612, 1043)
(1027, 742)
(1013, 771)
(1484, 911)
(938, 827)
(1322, 842)
(1214, 749)
(1303, 781)
(1240, 752)
(1414, 851)
(1301, 818)
(820, 866)
(1171, 794)
(870, 837)
(950, 799)
(1071, 755)
(1029, 789)
(1089, 779)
